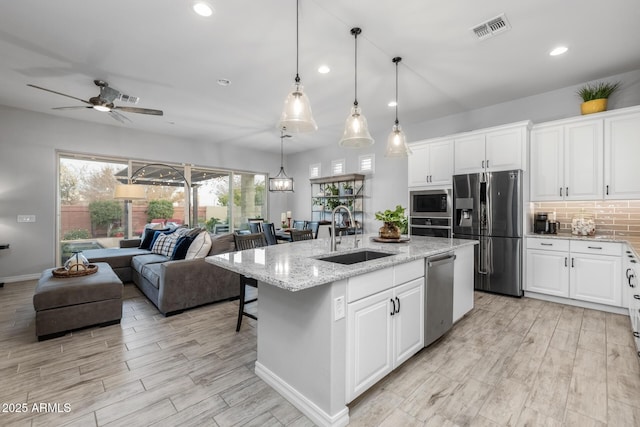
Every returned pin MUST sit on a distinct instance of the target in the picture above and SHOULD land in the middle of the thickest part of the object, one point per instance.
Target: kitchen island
(328, 331)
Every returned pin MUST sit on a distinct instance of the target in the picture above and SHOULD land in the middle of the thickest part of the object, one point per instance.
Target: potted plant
(347, 189)
(594, 96)
(395, 223)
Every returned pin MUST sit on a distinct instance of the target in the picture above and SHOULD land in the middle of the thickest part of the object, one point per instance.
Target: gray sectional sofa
(172, 286)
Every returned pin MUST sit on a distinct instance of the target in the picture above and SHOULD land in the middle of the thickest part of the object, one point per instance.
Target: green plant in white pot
(595, 95)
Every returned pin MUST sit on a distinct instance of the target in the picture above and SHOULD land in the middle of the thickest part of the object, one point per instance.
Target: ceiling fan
(104, 102)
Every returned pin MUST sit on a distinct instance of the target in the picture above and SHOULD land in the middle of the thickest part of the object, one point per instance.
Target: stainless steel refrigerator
(488, 207)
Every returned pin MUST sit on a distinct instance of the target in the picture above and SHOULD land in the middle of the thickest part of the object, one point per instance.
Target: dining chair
(314, 226)
(243, 242)
(298, 225)
(269, 230)
(255, 227)
(298, 235)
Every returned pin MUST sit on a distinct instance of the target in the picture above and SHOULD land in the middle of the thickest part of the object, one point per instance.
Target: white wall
(28, 144)
(387, 187)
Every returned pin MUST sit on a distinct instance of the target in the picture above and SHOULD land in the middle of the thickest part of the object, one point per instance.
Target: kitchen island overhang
(302, 322)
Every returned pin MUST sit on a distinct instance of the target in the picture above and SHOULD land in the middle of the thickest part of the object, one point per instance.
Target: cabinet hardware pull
(565, 261)
(566, 191)
(636, 296)
(483, 164)
(487, 163)
(607, 190)
(560, 191)
(628, 271)
(572, 266)
(394, 306)
(636, 334)
(546, 244)
(594, 247)
(398, 300)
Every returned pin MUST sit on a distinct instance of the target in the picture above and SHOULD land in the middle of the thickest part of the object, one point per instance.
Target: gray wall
(387, 186)
(28, 144)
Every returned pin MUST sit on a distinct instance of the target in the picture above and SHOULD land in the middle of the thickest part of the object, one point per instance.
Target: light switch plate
(26, 218)
(338, 311)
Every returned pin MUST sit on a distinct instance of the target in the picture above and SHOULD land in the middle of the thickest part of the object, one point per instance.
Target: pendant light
(397, 140)
(281, 182)
(356, 132)
(296, 115)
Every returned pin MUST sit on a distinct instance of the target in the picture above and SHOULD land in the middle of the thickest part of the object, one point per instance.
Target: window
(315, 170)
(366, 163)
(337, 167)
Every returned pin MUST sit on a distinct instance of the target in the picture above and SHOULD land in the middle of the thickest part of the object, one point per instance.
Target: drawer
(595, 247)
(406, 272)
(559, 245)
(369, 283)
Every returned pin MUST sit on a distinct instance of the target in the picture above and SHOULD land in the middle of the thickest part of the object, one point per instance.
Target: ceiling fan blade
(59, 93)
(70, 108)
(140, 110)
(119, 117)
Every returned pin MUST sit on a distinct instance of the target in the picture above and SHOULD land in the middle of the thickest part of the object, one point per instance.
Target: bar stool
(243, 242)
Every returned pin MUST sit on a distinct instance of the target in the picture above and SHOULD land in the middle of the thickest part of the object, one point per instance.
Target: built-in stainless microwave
(430, 203)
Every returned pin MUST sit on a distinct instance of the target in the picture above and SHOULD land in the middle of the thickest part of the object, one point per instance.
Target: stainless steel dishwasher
(438, 316)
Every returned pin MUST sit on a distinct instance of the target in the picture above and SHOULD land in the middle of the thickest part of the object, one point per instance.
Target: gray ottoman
(64, 304)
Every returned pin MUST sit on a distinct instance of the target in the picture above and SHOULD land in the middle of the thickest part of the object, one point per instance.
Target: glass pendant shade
(356, 131)
(397, 143)
(296, 114)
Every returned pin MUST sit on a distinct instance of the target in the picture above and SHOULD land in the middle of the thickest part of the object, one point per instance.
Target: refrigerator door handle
(482, 264)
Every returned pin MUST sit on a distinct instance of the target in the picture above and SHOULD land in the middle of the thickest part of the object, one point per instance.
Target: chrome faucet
(333, 227)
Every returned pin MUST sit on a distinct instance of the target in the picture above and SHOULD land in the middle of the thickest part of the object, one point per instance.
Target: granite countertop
(294, 266)
(569, 236)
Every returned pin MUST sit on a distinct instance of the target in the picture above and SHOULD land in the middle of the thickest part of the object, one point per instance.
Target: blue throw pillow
(181, 248)
(148, 238)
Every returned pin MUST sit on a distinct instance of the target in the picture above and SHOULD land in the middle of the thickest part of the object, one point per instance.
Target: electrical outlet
(338, 312)
(26, 218)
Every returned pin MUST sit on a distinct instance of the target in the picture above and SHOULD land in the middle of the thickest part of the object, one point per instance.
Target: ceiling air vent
(492, 27)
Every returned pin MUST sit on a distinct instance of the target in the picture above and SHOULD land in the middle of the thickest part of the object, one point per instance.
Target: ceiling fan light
(356, 131)
(397, 143)
(102, 108)
(296, 114)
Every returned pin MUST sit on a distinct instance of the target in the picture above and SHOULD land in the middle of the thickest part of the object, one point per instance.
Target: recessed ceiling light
(324, 69)
(224, 82)
(392, 103)
(559, 51)
(202, 8)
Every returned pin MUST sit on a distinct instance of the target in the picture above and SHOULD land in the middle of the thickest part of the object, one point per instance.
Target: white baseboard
(307, 407)
(577, 303)
(24, 278)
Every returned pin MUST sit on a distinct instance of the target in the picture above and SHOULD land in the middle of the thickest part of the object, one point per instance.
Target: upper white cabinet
(566, 161)
(493, 149)
(587, 158)
(621, 154)
(431, 163)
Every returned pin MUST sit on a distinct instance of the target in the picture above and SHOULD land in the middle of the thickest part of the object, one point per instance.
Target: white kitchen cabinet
(384, 329)
(566, 161)
(547, 269)
(585, 270)
(489, 150)
(462, 282)
(431, 163)
(621, 154)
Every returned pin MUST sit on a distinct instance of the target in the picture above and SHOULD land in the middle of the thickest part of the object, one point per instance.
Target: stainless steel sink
(355, 257)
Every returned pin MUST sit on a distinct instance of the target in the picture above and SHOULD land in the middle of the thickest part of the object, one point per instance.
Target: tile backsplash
(614, 218)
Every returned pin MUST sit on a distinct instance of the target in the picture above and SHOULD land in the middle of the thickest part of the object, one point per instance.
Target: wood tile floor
(519, 362)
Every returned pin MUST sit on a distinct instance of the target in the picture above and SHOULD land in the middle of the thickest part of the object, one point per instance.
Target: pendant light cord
(355, 32)
(297, 41)
(397, 60)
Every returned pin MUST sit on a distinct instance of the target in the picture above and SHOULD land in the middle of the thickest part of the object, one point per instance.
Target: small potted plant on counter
(395, 223)
(595, 96)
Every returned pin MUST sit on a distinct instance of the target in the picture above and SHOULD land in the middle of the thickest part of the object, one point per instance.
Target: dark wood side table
(3, 246)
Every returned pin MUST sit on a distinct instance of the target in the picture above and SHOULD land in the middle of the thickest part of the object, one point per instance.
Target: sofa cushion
(181, 248)
(147, 238)
(164, 244)
(151, 272)
(116, 257)
(138, 262)
(200, 246)
(222, 243)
